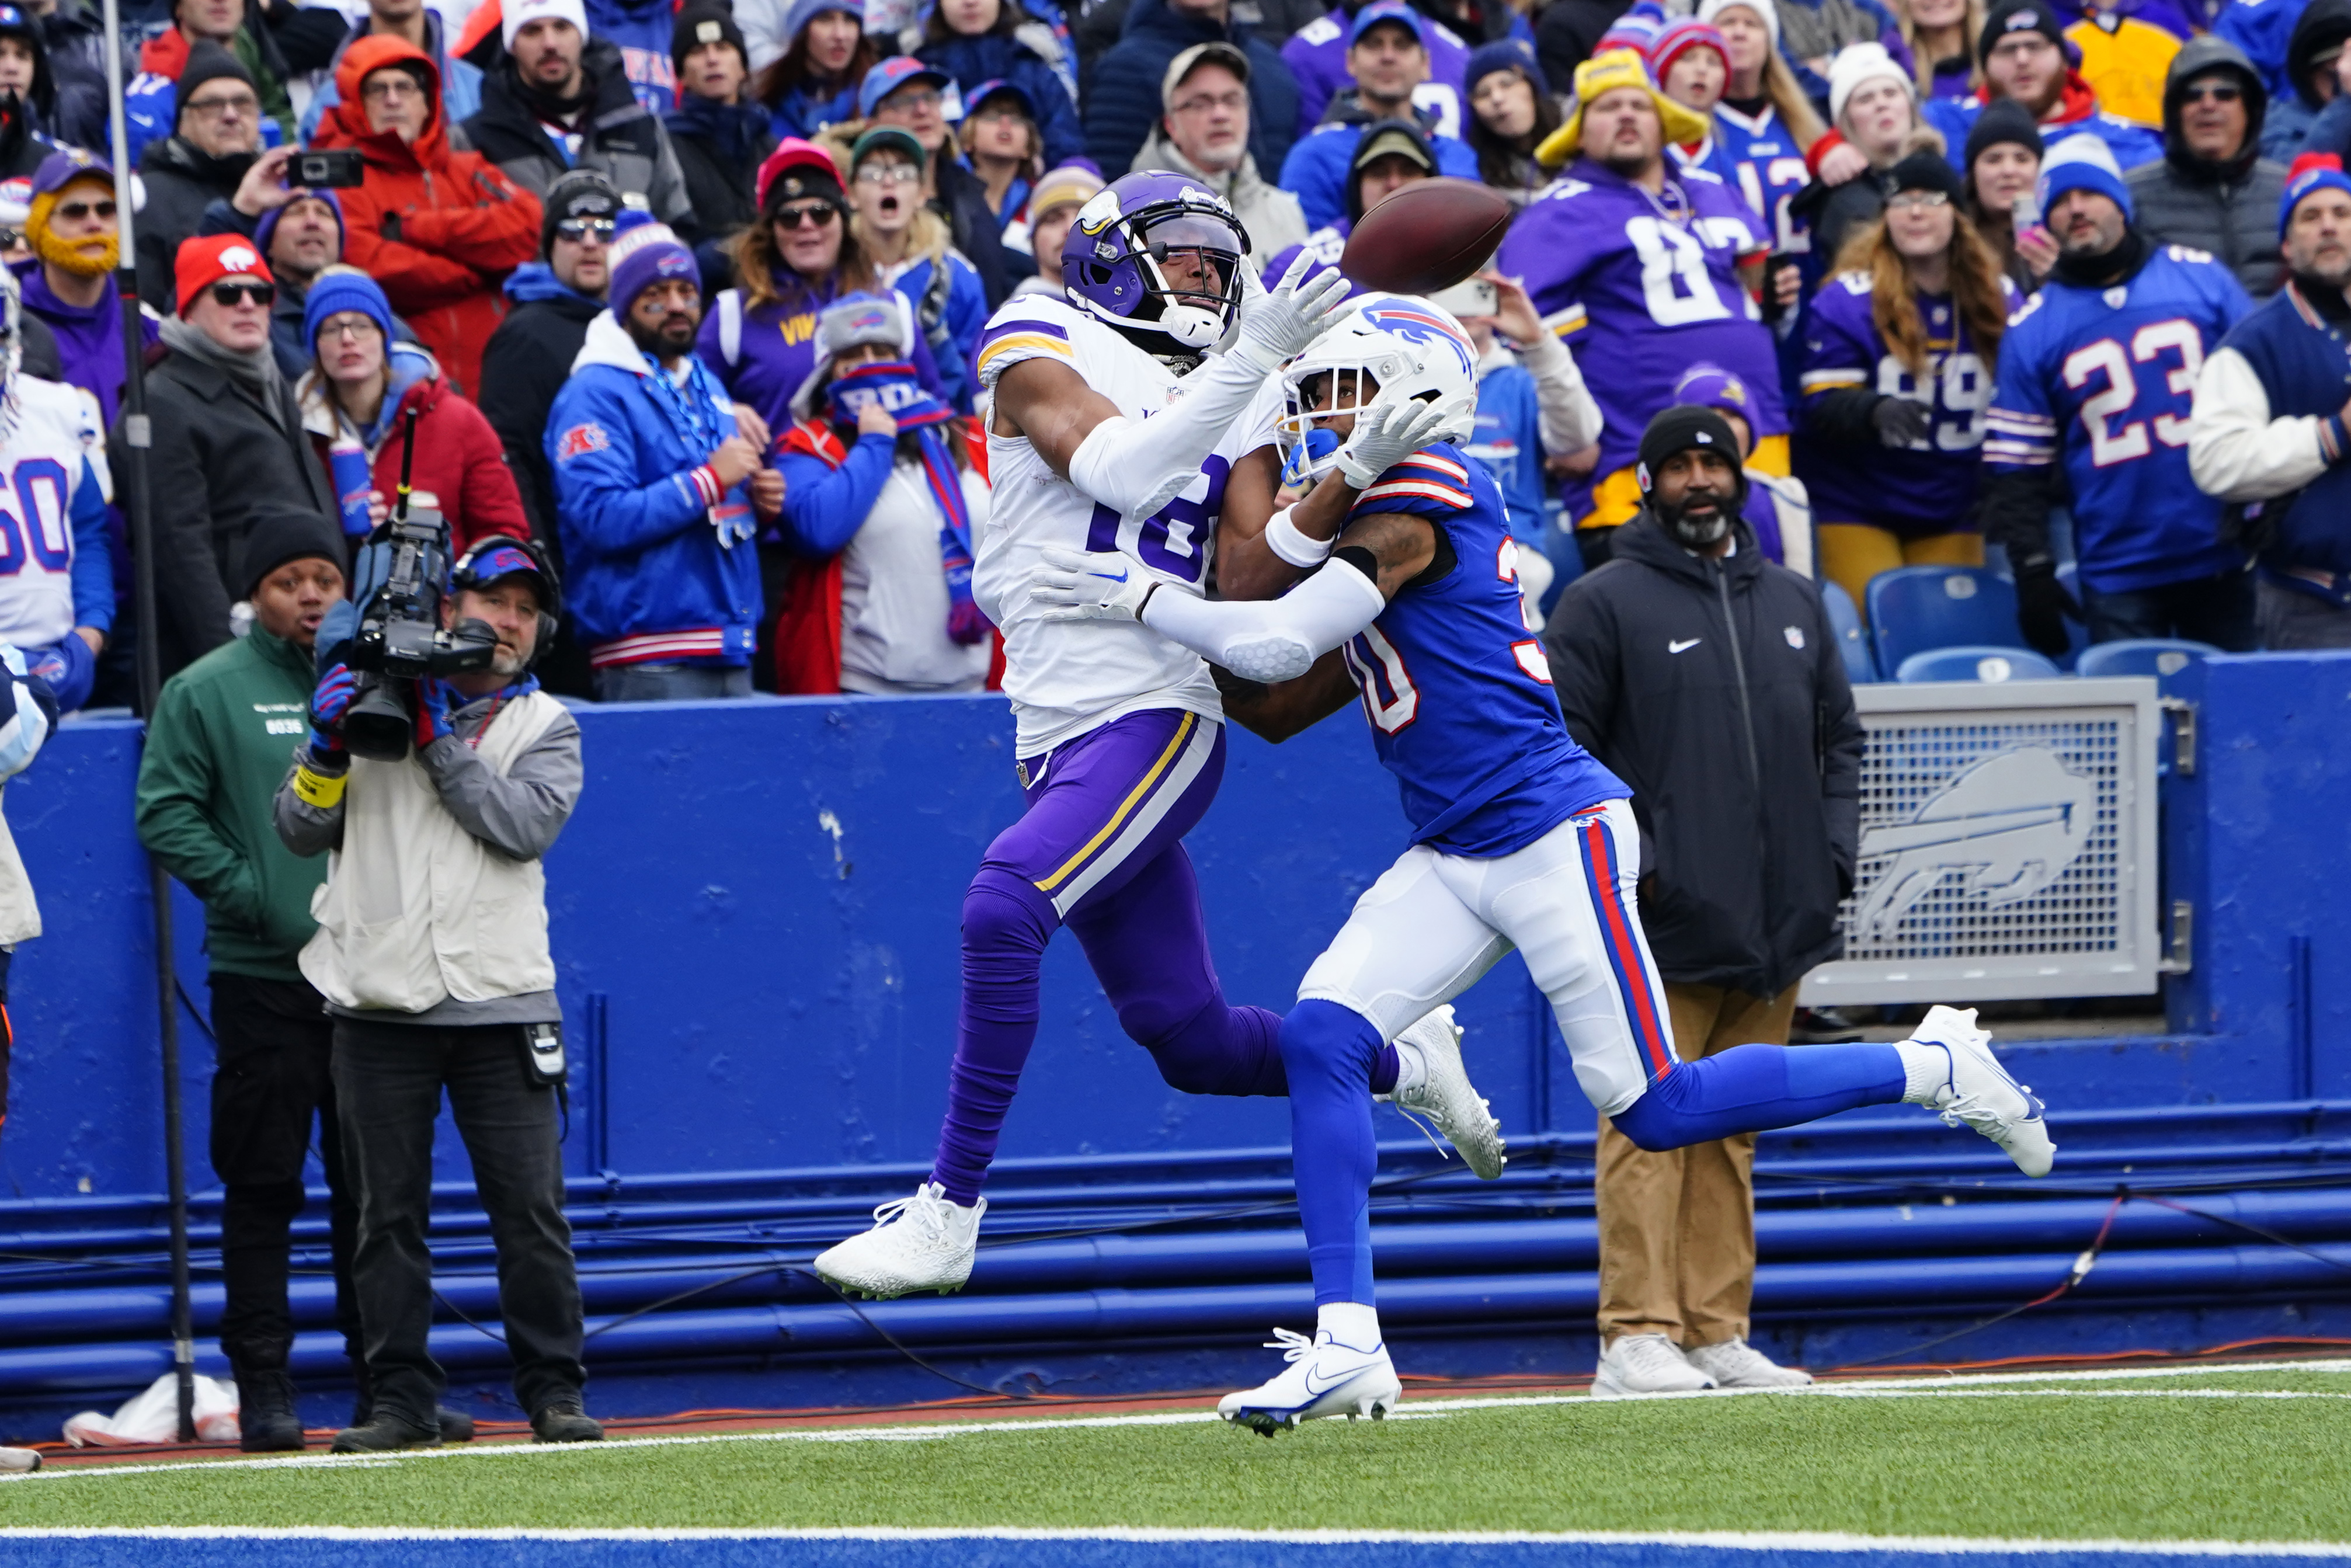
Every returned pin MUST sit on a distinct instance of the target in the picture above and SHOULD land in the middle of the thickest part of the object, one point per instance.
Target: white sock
(1350, 1323)
(1925, 1070)
(1412, 1067)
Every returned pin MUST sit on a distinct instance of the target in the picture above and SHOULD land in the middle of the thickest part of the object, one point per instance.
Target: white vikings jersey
(42, 469)
(1066, 677)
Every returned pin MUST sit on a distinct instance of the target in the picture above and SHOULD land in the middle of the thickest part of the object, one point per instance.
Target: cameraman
(432, 954)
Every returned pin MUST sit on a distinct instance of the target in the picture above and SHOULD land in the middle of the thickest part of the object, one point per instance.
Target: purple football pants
(1101, 851)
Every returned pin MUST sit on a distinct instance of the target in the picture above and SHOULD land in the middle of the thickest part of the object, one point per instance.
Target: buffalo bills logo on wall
(1415, 325)
(2007, 827)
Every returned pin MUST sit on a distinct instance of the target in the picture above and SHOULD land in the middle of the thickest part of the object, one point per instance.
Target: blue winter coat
(1316, 169)
(995, 58)
(803, 114)
(964, 317)
(642, 29)
(1124, 104)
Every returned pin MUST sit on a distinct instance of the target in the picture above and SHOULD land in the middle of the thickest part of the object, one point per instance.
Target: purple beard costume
(1100, 850)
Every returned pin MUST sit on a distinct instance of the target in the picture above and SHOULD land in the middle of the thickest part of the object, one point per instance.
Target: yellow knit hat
(1604, 73)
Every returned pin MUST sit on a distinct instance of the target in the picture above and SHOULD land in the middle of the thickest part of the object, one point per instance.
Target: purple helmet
(1114, 261)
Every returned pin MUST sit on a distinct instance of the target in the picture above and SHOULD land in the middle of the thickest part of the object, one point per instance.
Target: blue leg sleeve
(1327, 1051)
(1749, 1087)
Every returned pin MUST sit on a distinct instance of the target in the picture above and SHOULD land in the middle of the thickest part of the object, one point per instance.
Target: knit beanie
(208, 61)
(2002, 17)
(207, 258)
(2082, 163)
(1713, 10)
(1681, 35)
(705, 23)
(1858, 63)
(1707, 385)
(342, 288)
(644, 251)
(576, 194)
(1926, 171)
(515, 14)
(266, 229)
(1502, 55)
(1634, 29)
(2003, 120)
(1678, 429)
(281, 533)
(2311, 172)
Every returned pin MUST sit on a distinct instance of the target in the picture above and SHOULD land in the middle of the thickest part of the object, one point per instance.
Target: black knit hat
(1678, 429)
(1926, 171)
(280, 534)
(2002, 17)
(704, 23)
(2003, 120)
(208, 61)
(576, 193)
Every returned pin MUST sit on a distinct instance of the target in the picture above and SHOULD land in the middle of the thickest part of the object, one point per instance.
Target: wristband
(323, 791)
(1284, 538)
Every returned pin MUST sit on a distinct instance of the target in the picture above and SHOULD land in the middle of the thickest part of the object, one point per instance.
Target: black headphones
(466, 574)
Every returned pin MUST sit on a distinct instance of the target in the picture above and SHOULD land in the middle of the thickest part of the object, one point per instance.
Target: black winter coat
(1565, 31)
(962, 199)
(526, 363)
(181, 183)
(719, 148)
(1123, 101)
(1715, 690)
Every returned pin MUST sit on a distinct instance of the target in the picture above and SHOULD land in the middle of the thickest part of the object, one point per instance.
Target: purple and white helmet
(1114, 261)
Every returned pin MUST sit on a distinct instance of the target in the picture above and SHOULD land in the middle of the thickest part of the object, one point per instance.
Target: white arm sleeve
(1271, 639)
(1125, 463)
(2235, 450)
(1569, 416)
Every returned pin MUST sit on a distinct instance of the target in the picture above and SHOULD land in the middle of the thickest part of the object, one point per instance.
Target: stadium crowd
(686, 300)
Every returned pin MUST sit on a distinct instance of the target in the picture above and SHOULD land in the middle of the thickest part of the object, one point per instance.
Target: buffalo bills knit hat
(205, 260)
(342, 288)
(2002, 17)
(2082, 163)
(644, 251)
(1678, 37)
(2311, 172)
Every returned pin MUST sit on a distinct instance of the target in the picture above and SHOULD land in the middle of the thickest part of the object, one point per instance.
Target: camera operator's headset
(475, 571)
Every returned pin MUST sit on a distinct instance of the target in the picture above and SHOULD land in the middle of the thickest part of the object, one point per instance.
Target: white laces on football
(1291, 1344)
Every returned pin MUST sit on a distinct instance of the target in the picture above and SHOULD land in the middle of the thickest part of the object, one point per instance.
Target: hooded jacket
(620, 138)
(438, 228)
(460, 81)
(2228, 209)
(1123, 102)
(1715, 690)
(2324, 25)
(459, 459)
(527, 363)
(1268, 215)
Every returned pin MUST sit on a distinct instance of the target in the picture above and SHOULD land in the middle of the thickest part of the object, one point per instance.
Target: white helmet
(1412, 350)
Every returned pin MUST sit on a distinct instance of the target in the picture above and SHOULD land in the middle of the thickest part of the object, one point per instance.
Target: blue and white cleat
(1324, 1378)
(1980, 1093)
(920, 1243)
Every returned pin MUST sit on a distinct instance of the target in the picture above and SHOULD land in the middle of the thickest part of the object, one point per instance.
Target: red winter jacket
(459, 459)
(439, 229)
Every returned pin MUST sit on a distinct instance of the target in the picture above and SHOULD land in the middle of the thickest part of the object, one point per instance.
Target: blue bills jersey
(2101, 381)
(1760, 158)
(1928, 488)
(1455, 682)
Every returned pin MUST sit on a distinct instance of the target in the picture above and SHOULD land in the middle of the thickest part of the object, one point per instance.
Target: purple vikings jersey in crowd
(1455, 682)
(1641, 287)
(2101, 381)
(1929, 486)
(1760, 158)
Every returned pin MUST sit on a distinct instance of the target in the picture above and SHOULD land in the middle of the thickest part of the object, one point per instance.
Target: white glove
(1384, 435)
(1081, 585)
(1277, 327)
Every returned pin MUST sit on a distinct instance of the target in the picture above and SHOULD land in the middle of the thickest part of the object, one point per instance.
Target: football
(1426, 237)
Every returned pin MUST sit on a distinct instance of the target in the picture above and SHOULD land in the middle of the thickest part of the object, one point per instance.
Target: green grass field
(2252, 1454)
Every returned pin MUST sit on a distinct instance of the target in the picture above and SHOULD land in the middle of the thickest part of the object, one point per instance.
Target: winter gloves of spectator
(2042, 606)
(1899, 421)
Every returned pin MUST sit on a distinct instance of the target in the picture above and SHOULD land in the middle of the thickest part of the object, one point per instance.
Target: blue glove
(329, 703)
(70, 668)
(433, 703)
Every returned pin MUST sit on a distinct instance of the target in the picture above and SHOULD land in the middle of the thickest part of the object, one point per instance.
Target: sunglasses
(2216, 92)
(74, 212)
(816, 215)
(578, 229)
(229, 296)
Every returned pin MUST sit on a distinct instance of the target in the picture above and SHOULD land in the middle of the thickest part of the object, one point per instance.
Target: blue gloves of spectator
(434, 699)
(329, 703)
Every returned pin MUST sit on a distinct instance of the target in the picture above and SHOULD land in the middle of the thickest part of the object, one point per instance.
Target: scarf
(897, 389)
(736, 130)
(698, 413)
(255, 371)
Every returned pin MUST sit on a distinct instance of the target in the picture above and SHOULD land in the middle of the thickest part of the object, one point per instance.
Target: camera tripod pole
(137, 437)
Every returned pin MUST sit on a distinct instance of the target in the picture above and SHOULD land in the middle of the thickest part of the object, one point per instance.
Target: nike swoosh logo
(1108, 578)
(1683, 647)
(1318, 1389)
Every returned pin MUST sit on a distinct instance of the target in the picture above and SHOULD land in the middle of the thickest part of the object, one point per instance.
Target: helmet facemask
(1158, 265)
(1384, 350)
(1312, 403)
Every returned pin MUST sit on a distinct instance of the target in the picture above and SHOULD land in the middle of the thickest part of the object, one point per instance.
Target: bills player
(1109, 432)
(1410, 604)
(57, 575)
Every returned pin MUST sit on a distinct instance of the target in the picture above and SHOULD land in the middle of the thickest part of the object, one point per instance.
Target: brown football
(1426, 237)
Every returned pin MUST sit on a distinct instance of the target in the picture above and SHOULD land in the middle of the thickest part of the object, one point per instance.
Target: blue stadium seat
(1913, 609)
(2162, 657)
(1860, 660)
(1976, 664)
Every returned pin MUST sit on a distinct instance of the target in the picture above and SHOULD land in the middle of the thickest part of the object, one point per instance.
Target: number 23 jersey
(1067, 677)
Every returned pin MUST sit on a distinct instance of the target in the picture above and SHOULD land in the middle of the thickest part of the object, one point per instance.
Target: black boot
(265, 1421)
(456, 1426)
(565, 1422)
(385, 1430)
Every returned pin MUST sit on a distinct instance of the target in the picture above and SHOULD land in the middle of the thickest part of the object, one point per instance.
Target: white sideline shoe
(19, 1461)
(1735, 1364)
(1323, 1378)
(1446, 1097)
(1645, 1363)
(1980, 1093)
(918, 1243)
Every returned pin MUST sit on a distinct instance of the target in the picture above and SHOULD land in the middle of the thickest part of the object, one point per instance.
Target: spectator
(649, 477)
(2003, 161)
(2267, 436)
(438, 228)
(1316, 58)
(461, 80)
(24, 72)
(1388, 57)
(2125, 49)
(905, 245)
(73, 44)
(1511, 112)
(151, 104)
(1763, 122)
(1204, 131)
(1778, 507)
(419, 1010)
(719, 134)
(215, 754)
(1942, 34)
(2313, 59)
(556, 101)
(1873, 112)
(529, 356)
(907, 94)
(298, 231)
(1710, 681)
(59, 604)
(1392, 154)
(203, 159)
(227, 442)
(812, 80)
(68, 282)
(1532, 402)
(2022, 51)
(2069, 392)
(359, 391)
(975, 41)
(1052, 208)
(2264, 30)
(881, 504)
(1900, 349)
(1813, 32)
(1133, 76)
(2211, 190)
(1584, 259)
(999, 143)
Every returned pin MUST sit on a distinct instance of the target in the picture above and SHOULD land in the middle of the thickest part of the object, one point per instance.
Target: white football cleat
(1979, 1092)
(1735, 1364)
(1645, 1363)
(1446, 1097)
(1324, 1378)
(19, 1461)
(918, 1243)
